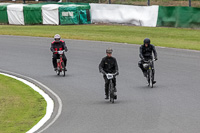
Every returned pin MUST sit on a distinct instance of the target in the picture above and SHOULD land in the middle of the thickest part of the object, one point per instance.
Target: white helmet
(57, 36)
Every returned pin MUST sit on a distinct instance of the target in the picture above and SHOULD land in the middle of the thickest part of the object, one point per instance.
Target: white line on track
(50, 103)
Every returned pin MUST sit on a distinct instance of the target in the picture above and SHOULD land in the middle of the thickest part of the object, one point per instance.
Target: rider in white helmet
(58, 45)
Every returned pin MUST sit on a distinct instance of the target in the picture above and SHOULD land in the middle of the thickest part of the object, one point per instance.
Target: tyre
(63, 68)
(58, 72)
(111, 97)
(151, 78)
(58, 69)
(148, 77)
(111, 90)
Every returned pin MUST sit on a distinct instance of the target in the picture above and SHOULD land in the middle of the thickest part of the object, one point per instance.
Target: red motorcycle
(60, 63)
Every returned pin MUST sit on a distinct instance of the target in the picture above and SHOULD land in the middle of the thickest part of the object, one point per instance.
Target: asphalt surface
(172, 106)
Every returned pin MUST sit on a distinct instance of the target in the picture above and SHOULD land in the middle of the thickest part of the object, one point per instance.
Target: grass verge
(20, 106)
(166, 37)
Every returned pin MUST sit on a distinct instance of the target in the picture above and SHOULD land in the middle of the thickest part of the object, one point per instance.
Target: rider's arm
(101, 67)
(52, 47)
(65, 47)
(141, 56)
(116, 68)
(154, 52)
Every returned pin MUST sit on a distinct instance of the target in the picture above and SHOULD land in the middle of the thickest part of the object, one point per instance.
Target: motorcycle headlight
(145, 66)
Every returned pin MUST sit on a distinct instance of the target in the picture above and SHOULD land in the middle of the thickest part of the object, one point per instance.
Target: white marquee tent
(15, 14)
(50, 14)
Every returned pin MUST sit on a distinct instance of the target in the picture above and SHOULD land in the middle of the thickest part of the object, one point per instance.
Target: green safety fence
(79, 13)
(68, 15)
(3, 14)
(185, 17)
(75, 14)
(33, 14)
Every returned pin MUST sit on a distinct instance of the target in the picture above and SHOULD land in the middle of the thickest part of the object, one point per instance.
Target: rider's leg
(54, 61)
(140, 65)
(106, 86)
(65, 61)
(153, 70)
(114, 82)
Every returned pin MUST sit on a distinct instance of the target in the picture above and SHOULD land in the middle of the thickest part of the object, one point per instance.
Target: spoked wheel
(151, 78)
(111, 91)
(112, 97)
(148, 78)
(63, 68)
(58, 71)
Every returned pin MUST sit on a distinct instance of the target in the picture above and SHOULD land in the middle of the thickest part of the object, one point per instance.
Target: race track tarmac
(172, 106)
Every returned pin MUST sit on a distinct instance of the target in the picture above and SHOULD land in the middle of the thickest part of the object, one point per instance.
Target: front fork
(59, 61)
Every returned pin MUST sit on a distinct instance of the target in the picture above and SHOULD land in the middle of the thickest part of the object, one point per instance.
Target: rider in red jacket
(58, 45)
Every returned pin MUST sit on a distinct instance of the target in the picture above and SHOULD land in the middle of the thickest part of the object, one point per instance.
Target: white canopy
(50, 14)
(15, 14)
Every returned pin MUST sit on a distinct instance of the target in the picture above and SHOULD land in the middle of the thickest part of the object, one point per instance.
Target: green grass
(20, 106)
(166, 37)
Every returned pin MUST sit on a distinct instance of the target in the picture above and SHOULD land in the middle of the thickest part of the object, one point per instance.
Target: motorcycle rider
(146, 51)
(58, 45)
(107, 65)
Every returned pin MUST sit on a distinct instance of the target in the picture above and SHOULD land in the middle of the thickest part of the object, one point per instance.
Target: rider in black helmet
(146, 51)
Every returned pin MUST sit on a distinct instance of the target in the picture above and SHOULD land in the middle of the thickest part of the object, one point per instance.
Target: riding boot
(106, 91)
(115, 89)
(107, 97)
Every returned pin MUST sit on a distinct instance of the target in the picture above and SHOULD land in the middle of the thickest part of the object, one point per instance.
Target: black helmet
(109, 50)
(146, 41)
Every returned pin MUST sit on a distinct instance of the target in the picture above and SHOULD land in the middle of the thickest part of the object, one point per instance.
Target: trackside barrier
(3, 13)
(185, 17)
(124, 14)
(81, 13)
(15, 14)
(33, 14)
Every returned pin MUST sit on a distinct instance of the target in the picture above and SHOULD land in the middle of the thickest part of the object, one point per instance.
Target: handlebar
(146, 61)
(111, 75)
(59, 52)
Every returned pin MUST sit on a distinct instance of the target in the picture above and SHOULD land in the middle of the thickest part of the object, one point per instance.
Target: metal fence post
(148, 3)
(189, 3)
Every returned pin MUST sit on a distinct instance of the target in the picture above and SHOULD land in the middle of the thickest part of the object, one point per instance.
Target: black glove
(117, 73)
(156, 58)
(102, 71)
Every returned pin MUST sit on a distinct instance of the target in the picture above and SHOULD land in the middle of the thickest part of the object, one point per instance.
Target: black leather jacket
(108, 65)
(56, 46)
(146, 52)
